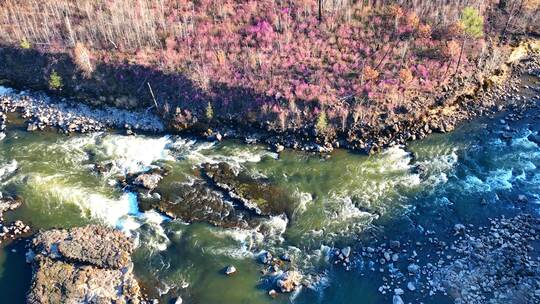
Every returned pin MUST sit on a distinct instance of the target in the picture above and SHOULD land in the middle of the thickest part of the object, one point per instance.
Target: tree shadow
(129, 85)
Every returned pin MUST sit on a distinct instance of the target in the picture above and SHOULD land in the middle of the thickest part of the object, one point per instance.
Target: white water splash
(5, 91)
(130, 154)
(7, 169)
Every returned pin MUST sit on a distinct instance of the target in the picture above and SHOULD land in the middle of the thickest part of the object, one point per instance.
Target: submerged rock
(196, 202)
(83, 265)
(397, 300)
(257, 194)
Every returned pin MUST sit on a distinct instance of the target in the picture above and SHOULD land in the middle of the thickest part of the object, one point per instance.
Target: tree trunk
(320, 10)
(460, 55)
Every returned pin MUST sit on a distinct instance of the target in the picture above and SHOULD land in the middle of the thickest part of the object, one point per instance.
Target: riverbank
(463, 100)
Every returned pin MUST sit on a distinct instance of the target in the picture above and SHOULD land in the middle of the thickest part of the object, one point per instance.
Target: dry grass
(99, 24)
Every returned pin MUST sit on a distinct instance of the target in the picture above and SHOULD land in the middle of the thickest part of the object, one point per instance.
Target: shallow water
(344, 199)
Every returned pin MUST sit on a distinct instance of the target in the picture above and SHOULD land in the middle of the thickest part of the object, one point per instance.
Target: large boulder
(91, 264)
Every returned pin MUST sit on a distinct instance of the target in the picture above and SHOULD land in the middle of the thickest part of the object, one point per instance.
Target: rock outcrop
(91, 264)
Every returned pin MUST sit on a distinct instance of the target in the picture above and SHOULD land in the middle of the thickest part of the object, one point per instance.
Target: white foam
(132, 154)
(7, 169)
(394, 159)
(500, 179)
(5, 91)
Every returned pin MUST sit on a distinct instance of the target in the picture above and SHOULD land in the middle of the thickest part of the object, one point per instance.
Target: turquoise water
(346, 199)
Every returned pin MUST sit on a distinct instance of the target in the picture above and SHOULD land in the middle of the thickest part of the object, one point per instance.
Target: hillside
(320, 70)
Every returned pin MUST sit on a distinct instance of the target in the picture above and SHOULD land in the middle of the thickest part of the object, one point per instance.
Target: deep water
(345, 199)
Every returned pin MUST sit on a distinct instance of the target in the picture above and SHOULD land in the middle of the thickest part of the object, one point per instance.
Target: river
(344, 199)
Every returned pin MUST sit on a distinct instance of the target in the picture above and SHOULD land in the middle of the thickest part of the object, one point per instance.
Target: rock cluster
(11, 230)
(342, 257)
(278, 273)
(91, 264)
(497, 266)
(289, 281)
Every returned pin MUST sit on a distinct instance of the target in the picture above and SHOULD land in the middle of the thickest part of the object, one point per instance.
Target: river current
(344, 199)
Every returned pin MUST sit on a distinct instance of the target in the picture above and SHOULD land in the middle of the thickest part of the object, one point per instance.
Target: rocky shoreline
(496, 263)
(42, 111)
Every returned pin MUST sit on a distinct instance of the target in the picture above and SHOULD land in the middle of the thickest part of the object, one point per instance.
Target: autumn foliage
(360, 60)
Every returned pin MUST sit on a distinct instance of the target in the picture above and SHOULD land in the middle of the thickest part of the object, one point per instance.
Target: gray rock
(230, 270)
(413, 268)
(346, 251)
(459, 228)
(149, 181)
(397, 300)
(289, 281)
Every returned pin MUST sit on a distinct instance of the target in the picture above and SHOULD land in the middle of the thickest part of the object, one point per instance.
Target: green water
(338, 200)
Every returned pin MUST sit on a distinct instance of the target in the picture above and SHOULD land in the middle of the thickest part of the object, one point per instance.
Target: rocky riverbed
(498, 263)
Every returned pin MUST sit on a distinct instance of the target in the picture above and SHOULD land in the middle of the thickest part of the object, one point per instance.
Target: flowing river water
(345, 199)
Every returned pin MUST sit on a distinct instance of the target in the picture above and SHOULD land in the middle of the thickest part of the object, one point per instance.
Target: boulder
(149, 181)
(413, 268)
(91, 264)
(397, 300)
(522, 198)
(289, 281)
(346, 251)
(230, 270)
